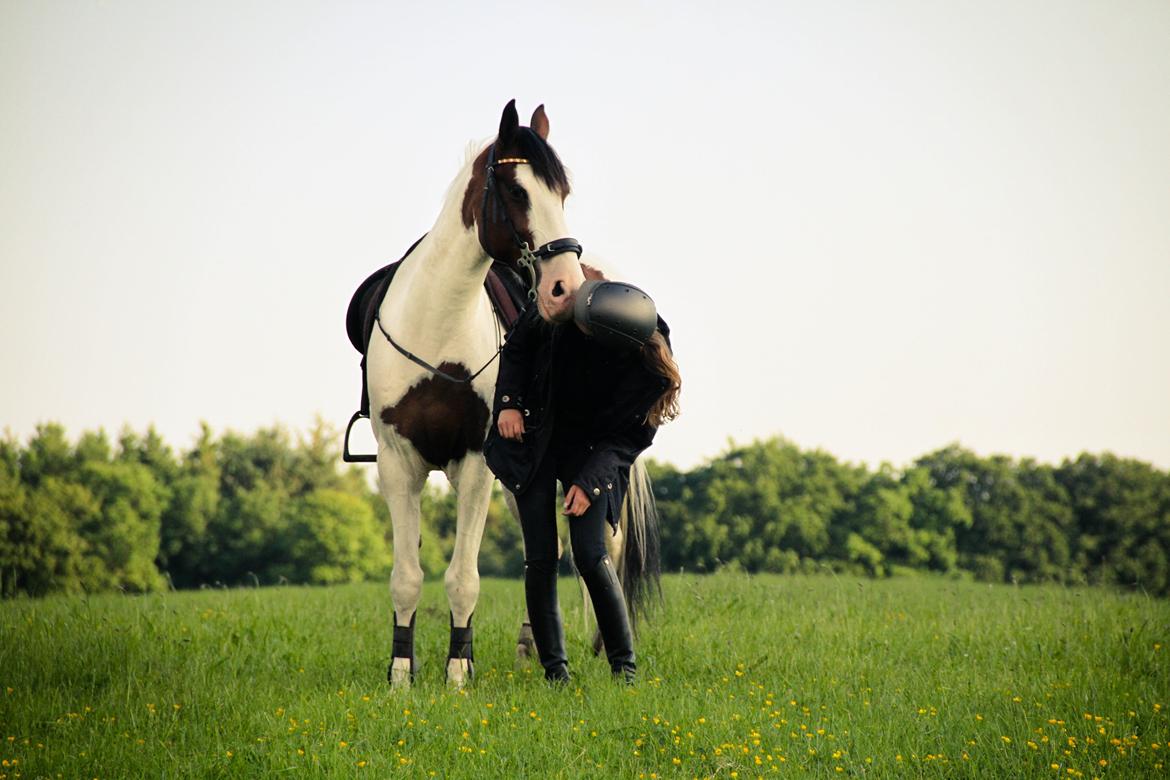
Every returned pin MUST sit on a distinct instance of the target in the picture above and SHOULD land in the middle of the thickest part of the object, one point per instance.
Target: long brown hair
(657, 357)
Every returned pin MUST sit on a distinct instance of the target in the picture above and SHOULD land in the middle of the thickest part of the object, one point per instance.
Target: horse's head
(515, 200)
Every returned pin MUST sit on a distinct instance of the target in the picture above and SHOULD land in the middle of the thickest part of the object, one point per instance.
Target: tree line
(267, 507)
(770, 506)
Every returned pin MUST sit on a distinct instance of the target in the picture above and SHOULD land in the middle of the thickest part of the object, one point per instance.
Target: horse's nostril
(558, 290)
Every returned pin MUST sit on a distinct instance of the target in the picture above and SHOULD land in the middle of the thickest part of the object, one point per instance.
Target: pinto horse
(431, 372)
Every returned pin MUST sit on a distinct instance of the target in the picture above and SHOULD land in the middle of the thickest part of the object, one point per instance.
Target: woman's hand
(576, 502)
(511, 424)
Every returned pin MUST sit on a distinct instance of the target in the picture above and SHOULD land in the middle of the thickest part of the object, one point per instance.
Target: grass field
(740, 677)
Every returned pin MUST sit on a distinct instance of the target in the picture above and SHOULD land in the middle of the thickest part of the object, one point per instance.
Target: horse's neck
(442, 279)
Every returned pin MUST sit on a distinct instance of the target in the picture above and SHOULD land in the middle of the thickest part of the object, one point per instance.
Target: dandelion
(1007, 740)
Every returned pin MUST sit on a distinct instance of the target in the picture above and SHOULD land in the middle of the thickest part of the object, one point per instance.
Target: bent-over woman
(577, 402)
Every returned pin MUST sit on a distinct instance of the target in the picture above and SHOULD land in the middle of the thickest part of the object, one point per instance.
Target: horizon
(873, 231)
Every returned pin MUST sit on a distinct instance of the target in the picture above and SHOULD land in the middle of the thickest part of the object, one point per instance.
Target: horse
(431, 371)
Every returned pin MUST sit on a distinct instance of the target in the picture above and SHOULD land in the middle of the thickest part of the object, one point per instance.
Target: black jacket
(622, 389)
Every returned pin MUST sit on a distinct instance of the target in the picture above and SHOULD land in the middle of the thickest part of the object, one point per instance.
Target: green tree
(333, 537)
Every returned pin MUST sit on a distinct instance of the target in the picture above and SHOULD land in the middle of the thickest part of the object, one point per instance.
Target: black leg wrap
(403, 646)
(460, 646)
(612, 618)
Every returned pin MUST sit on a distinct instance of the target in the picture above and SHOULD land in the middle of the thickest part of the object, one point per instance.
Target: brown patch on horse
(442, 419)
(473, 195)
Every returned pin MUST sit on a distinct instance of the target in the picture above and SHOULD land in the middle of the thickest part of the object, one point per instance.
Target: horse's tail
(640, 566)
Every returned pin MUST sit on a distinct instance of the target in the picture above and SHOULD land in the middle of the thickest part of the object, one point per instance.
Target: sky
(875, 228)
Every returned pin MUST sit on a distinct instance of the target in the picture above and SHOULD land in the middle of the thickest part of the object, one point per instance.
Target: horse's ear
(509, 123)
(539, 123)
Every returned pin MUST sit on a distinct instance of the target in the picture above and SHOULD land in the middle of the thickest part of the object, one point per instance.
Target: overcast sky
(875, 228)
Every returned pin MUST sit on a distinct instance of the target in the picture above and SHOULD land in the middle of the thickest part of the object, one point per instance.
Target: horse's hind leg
(401, 488)
(473, 486)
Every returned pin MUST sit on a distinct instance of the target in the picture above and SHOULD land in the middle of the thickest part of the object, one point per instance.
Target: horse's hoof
(460, 671)
(525, 645)
(401, 672)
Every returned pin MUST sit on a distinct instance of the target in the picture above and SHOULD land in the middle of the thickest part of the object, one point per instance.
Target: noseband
(528, 256)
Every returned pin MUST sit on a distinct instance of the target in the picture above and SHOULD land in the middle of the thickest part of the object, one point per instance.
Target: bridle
(528, 256)
(527, 260)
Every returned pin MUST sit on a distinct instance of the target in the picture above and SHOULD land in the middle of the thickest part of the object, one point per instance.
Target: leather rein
(527, 260)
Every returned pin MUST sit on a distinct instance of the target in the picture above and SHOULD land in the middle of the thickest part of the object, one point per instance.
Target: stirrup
(348, 456)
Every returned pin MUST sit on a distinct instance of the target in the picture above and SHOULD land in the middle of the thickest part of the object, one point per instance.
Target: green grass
(740, 676)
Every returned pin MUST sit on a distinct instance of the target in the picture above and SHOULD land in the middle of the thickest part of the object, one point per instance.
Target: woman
(577, 402)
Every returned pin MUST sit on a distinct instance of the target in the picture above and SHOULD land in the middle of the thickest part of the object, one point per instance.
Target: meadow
(741, 676)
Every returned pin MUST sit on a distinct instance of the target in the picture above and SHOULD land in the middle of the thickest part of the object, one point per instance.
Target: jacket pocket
(510, 460)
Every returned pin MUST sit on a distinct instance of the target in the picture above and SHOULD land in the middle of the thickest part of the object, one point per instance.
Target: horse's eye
(517, 192)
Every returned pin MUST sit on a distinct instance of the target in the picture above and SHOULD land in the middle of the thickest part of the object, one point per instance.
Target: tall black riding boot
(544, 613)
(612, 618)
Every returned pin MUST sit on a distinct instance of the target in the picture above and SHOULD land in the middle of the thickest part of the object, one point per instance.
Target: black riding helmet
(617, 314)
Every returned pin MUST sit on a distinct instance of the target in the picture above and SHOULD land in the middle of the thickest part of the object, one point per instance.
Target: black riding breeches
(538, 516)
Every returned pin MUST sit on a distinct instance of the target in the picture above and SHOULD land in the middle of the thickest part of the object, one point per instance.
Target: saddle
(505, 289)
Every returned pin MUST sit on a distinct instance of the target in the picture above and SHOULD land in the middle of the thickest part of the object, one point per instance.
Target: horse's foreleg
(401, 491)
(473, 485)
